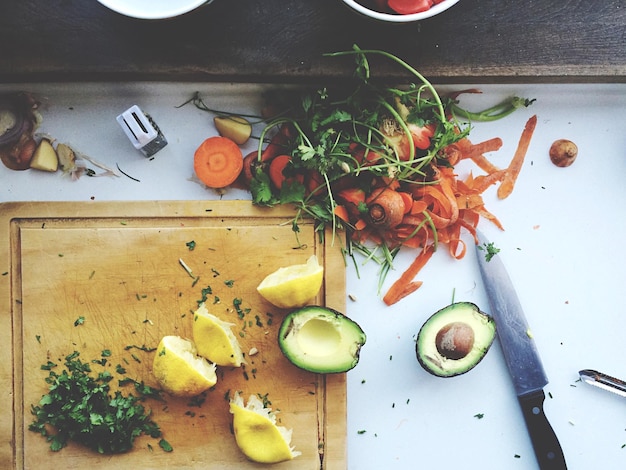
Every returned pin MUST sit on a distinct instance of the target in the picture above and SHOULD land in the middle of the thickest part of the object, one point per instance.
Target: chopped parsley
(163, 444)
(82, 409)
(205, 295)
(490, 250)
(241, 312)
(143, 347)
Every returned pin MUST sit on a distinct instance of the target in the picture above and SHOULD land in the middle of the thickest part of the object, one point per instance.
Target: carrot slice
(405, 284)
(508, 182)
(277, 145)
(277, 166)
(360, 224)
(217, 162)
(342, 213)
(354, 196)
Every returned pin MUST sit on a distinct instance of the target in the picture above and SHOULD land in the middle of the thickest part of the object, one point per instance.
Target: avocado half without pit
(320, 339)
(454, 339)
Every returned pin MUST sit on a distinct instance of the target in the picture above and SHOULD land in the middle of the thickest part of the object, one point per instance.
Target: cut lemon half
(257, 434)
(293, 286)
(215, 340)
(179, 370)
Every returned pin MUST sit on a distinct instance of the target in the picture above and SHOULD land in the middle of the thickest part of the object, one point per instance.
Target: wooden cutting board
(116, 265)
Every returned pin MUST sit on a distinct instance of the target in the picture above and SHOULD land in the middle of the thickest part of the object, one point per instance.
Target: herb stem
(493, 113)
(412, 70)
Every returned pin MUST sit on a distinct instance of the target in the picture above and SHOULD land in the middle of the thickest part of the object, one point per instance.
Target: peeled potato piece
(236, 128)
(45, 157)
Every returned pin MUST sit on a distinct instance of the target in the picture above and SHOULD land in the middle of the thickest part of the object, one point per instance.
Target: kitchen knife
(520, 354)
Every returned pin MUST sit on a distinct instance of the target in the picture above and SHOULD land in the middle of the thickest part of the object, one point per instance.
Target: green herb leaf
(490, 250)
(165, 445)
(261, 189)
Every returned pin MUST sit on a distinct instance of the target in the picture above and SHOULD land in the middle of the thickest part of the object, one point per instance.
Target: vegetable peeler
(603, 381)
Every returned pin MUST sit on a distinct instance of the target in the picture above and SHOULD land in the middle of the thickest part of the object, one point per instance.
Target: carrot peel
(405, 284)
(508, 182)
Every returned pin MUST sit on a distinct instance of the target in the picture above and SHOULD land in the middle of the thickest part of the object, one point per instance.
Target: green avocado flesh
(454, 339)
(321, 340)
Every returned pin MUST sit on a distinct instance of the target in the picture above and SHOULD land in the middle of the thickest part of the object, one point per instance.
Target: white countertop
(562, 245)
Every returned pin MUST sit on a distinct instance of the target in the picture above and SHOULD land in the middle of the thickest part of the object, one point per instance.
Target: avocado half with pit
(320, 339)
(455, 339)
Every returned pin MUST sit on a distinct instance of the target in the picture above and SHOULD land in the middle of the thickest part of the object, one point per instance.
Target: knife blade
(521, 356)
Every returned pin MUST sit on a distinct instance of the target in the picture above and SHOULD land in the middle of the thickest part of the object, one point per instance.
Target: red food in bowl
(402, 7)
(404, 11)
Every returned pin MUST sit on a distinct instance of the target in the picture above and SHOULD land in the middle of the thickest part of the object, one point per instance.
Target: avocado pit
(455, 340)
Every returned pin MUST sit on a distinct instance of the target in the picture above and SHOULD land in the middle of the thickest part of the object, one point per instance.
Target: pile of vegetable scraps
(379, 162)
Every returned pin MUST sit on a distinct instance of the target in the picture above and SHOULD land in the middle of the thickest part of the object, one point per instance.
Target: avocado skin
(346, 358)
(432, 361)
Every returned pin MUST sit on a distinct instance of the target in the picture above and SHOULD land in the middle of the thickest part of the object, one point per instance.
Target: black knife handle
(545, 443)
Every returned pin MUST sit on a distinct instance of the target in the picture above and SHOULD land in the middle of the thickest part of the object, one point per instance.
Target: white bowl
(153, 9)
(391, 18)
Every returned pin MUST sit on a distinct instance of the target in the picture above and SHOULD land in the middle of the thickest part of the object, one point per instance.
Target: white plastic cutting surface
(563, 247)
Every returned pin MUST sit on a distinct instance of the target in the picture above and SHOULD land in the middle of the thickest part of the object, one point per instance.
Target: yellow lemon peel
(179, 370)
(215, 340)
(293, 286)
(256, 432)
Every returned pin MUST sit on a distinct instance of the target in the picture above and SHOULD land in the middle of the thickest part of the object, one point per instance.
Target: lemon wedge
(179, 370)
(293, 286)
(257, 434)
(215, 340)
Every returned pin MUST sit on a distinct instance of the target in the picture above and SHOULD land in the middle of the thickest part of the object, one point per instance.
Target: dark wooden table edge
(489, 77)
